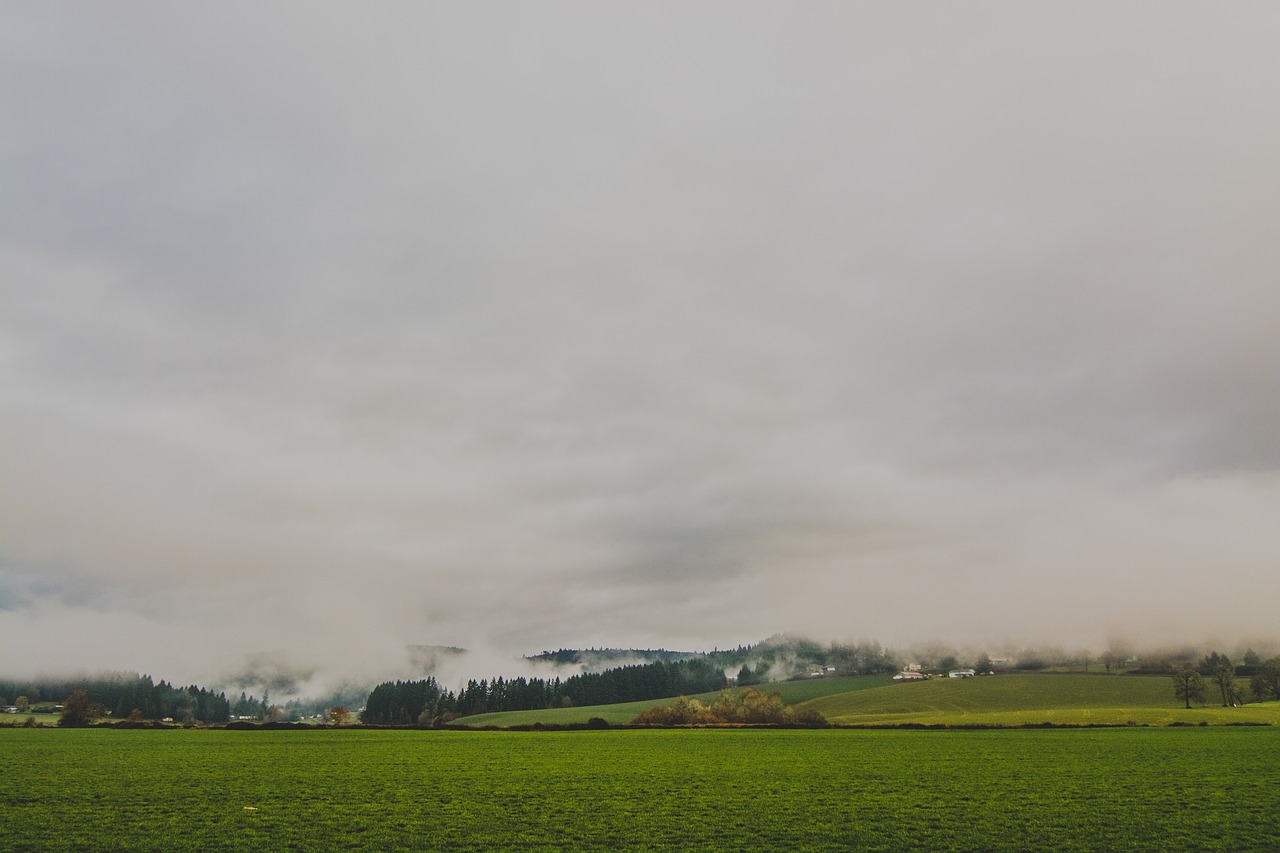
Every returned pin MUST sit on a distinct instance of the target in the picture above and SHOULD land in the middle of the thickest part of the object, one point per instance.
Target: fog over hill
(336, 328)
(289, 673)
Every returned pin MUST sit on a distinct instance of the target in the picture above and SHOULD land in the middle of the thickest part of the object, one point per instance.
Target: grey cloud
(525, 327)
(27, 585)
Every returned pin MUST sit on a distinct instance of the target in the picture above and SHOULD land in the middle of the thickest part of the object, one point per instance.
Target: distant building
(961, 673)
(912, 667)
(909, 676)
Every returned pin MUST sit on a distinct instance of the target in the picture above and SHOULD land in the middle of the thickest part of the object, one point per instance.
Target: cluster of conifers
(425, 702)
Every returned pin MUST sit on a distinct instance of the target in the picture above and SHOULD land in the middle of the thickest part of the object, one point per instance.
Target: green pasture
(1027, 699)
(998, 700)
(21, 719)
(1138, 789)
(792, 692)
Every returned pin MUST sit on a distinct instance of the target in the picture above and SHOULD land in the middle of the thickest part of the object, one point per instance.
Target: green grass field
(1029, 699)
(753, 789)
(1001, 700)
(792, 692)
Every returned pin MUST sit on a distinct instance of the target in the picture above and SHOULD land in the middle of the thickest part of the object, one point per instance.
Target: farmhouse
(909, 676)
(961, 673)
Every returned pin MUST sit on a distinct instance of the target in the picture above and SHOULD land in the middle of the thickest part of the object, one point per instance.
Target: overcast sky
(339, 327)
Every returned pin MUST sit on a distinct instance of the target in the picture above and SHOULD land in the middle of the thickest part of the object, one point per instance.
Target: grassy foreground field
(1098, 789)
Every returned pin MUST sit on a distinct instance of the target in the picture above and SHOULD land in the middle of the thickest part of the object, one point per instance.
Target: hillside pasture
(792, 692)
(1011, 700)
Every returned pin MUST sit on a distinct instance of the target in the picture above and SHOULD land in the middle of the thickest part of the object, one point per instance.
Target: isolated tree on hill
(22, 703)
(1224, 676)
(1265, 684)
(1188, 685)
(746, 676)
(983, 663)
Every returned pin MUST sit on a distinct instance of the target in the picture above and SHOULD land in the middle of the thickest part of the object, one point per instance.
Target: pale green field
(1030, 699)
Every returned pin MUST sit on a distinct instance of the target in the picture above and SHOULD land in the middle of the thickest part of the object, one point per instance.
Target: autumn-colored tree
(734, 707)
(682, 712)
(749, 706)
(338, 716)
(77, 710)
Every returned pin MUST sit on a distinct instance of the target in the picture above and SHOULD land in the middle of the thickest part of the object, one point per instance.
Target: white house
(961, 673)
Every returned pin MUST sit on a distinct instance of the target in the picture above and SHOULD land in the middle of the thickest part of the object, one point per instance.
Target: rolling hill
(1002, 700)
(1029, 699)
(792, 692)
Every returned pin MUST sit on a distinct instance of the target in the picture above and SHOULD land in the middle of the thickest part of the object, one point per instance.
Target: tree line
(1216, 671)
(425, 702)
(122, 697)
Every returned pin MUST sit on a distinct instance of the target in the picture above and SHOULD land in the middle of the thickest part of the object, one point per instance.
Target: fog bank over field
(338, 330)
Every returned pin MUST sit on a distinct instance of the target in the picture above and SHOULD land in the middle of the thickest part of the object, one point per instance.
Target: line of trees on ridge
(1191, 683)
(122, 697)
(425, 702)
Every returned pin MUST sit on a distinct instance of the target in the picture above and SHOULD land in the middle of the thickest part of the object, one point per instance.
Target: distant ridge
(425, 659)
(593, 658)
